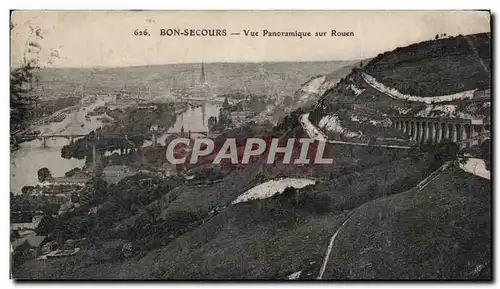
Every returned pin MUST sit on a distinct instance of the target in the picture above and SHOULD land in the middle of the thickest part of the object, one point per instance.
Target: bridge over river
(153, 135)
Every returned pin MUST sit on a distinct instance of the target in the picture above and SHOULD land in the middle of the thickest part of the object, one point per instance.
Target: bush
(44, 175)
(307, 199)
(441, 152)
(46, 226)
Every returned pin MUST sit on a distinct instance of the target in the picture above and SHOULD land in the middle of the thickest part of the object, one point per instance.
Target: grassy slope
(408, 235)
(348, 192)
(442, 231)
(430, 68)
(435, 67)
(266, 239)
(247, 240)
(201, 199)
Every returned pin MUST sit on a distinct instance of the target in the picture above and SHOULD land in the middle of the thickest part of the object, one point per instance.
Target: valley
(407, 195)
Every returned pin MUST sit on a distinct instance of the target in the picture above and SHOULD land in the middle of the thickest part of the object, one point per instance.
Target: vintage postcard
(263, 145)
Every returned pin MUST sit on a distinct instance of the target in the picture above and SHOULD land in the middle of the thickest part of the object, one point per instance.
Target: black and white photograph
(332, 145)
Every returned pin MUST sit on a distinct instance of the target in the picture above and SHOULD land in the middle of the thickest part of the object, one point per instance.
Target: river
(31, 156)
(191, 120)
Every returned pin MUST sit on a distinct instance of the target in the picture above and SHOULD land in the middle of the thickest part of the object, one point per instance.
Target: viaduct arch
(435, 130)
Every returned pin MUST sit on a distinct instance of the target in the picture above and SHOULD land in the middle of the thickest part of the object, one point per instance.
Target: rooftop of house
(242, 113)
(29, 241)
(114, 168)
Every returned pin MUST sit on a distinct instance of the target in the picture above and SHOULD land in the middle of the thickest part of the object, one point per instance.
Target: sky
(106, 38)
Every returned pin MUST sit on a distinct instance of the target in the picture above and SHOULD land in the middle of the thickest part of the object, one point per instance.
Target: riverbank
(30, 156)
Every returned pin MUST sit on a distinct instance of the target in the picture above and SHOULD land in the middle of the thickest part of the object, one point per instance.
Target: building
(79, 180)
(115, 173)
(240, 117)
(35, 220)
(147, 107)
(27, 245)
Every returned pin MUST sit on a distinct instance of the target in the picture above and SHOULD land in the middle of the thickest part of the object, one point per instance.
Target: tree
(21, 84)
(22, 80)
(437, 36)
(72, 172)
(225, 120)
(447, 150)
(46, 225)
(99, 187)
(44, 175)
(75, 198)
(27, 190)
(212, 122)
(226, 106)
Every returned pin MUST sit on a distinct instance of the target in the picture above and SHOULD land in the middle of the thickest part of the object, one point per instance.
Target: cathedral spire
(202, 77)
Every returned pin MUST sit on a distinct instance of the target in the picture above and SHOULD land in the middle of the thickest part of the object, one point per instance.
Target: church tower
(202, 77)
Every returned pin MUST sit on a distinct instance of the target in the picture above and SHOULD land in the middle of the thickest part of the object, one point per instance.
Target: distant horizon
(194, 63)
(235, 62)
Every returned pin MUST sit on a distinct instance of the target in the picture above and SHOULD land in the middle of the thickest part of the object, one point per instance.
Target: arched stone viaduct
(422, 129)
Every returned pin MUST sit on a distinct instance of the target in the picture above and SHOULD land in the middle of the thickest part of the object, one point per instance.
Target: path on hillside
(393, 93)
(329, 249)
(314, 133)
(476, 53)
(420, 186)
(433, 175)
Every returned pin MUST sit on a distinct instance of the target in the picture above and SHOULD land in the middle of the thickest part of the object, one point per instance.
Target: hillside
(306, 95)
(441, 231)
(439, 78)
(310, 91)
(193, 231)
(436, 67)
(396, 228)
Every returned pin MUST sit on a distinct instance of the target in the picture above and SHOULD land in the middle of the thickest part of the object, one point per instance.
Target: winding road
(314, 133)
(420, 186)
